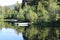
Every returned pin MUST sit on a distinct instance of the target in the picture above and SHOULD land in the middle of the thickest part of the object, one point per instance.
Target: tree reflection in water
(35, 32)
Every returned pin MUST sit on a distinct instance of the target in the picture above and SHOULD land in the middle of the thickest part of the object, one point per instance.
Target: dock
(14, 20)
(8, 20)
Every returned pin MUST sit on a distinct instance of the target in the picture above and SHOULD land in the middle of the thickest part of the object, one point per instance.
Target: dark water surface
(10, 34)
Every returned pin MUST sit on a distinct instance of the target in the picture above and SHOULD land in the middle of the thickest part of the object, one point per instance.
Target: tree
(52, 9)
(31, 16)
(43, 14)
(20, 15)
(17, 6)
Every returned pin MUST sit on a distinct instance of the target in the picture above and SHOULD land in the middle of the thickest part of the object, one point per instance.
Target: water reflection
(10, 34)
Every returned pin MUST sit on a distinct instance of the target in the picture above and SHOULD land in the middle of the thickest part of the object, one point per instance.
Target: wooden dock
(14, 20)
(8, 20)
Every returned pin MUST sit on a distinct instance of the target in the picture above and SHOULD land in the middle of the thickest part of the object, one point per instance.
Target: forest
(45, 15)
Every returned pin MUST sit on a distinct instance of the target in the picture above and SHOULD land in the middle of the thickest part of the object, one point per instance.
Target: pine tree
(31, 16)
(52, 9)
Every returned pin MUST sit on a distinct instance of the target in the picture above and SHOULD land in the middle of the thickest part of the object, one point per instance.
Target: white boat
(21, 24)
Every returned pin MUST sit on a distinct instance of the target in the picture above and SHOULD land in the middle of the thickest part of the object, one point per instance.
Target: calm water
(10, 34)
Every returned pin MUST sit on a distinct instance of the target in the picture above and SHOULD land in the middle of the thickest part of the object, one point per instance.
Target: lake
(8, 31)
(10, 34)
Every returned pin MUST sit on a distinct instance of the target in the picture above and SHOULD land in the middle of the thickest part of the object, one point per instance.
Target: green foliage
(21, 16)
(44, 13)
(31, 16)
(17, 6)
(52, 9)
(57, 32)
(31, 32)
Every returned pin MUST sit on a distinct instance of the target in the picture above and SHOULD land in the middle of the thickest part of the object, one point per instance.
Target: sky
(9, 2)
